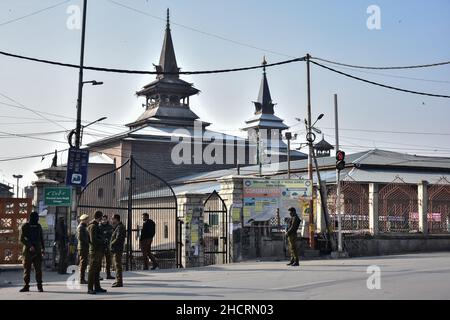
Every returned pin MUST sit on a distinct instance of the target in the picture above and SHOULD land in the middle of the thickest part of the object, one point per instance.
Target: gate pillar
(191, 215)
(373, 208)
(423, 206)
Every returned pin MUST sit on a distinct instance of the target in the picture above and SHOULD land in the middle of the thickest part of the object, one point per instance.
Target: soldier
(107, 229)
(33, 249)
(61, 239)
(117, 242)
(83, 247)
(291, 233)
(146, 239)
(96, 251)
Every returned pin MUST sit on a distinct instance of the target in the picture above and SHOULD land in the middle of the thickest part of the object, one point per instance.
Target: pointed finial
(168, 18)
(264, 63)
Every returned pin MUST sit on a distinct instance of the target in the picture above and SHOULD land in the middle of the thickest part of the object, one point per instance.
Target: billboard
(262, 198)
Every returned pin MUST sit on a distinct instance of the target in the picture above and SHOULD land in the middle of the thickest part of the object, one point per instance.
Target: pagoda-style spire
(168, 60)
(264, 103)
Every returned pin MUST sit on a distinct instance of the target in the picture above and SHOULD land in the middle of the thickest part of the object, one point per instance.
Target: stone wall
(358, 245)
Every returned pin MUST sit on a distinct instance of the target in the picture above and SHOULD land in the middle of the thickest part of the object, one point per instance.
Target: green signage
(58, 196)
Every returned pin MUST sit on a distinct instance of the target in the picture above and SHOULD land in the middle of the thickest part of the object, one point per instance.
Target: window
(213, 219)
(166, 231)
(100, 193)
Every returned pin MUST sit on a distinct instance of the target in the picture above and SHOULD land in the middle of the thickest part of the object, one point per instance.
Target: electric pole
(338, 176)
(288, 136)
(312, 242)
(18, 177)
(76, 190)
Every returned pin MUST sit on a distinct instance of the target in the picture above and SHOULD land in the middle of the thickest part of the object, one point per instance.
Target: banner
(262, 198)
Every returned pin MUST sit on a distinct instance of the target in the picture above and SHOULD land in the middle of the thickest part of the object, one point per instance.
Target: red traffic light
(340, 155)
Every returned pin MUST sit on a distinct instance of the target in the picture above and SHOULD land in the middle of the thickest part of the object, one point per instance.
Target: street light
(70, 136)
(93, 82)
(18, 177)
(89, 124)
(288, 136)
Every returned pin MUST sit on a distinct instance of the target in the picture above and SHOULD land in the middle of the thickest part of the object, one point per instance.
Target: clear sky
(412, 32)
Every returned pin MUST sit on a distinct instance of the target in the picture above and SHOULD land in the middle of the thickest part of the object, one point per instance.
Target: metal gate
(130, 190)
(13, 214)
(398, 207)
(215, 239)
(354, 206)
(439, 206)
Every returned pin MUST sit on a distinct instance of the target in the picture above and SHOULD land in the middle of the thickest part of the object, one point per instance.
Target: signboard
(77, 166)
(58, 196)
(262, 198)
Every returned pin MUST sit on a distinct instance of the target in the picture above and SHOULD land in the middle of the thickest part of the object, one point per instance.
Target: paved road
(415, 276)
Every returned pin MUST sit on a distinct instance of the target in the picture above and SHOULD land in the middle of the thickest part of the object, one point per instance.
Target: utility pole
(76, 190)
(80, 78)
(288, 136)
(312, 242)
(338, 176)
(18, 177)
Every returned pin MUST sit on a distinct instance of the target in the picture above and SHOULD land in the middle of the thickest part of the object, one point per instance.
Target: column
(320, 217)
(231, 191)
(373, 208)
(422, 199)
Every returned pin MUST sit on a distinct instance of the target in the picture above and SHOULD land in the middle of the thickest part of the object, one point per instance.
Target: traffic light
(340, 160)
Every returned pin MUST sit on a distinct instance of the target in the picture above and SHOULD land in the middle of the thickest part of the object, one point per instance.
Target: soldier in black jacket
(107, 229)
(146, 239)
(117, 243)
(291, 233)
(32, 239)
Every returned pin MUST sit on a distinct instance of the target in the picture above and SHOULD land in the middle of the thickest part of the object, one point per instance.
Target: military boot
(26, 288)
(40, 288)
(291, 263)
(156, 265)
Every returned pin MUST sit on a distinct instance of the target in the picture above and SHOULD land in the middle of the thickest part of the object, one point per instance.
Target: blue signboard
(77, 167)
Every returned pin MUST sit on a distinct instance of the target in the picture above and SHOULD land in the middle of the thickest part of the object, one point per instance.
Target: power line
(30, 137)
(126, 71)
(31, 156)
(33, 13)
(396, 76)
(200, 31)
(21, 106)
(380, 84)
(389, 142)
(383, 68)
(392, 132)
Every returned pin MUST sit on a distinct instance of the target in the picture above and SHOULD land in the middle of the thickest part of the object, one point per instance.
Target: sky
(218, 35)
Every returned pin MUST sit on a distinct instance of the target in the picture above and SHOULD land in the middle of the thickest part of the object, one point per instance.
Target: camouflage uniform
(292, 237)
(83, 249)
(117, 243)
(96, 251)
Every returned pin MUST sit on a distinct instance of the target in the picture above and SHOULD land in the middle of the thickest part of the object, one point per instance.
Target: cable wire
(33, 13)
(200, 31)
(380, 84)
(126, 71)
(21, 106)
(383, 68)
